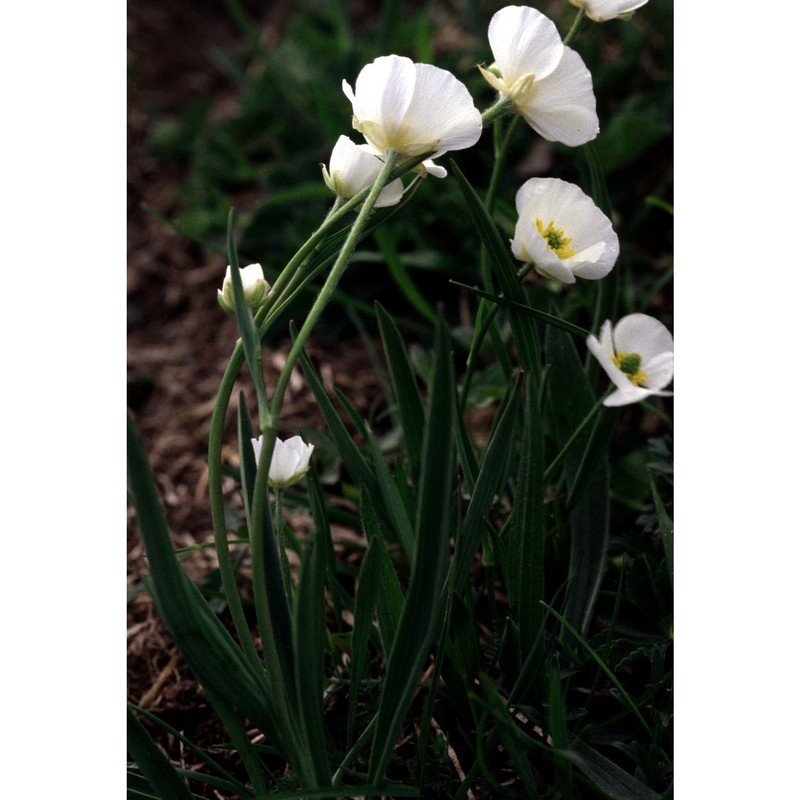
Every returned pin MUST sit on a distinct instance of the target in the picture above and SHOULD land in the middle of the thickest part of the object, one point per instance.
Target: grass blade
(526, 537)
(154, 765)
(251, 342)
(523, 308)
(354, 462)
(423, 608)
(603, 666)
(665, 527)
(203, 641)
(391, 500)
(390, 596)
(198, 751)
(523, 328)
(486, 487)
(309, 635)
(409, 402)
(570, 400)
(606, 776)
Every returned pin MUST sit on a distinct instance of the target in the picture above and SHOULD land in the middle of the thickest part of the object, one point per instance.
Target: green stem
(330, 284)
(221, 543)
(279, 530)
(501, 105)
(362, 740)
(500, 153)
(269, 433)
(575, 25)
(279, 681)
(556, 462)
(658, 412)
(602, 664)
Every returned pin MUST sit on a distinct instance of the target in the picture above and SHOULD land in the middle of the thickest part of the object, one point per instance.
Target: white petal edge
(563, 107)
(523, 40)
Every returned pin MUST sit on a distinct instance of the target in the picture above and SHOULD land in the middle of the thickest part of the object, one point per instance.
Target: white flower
(256, 288)
(604, 10)
(637, 355)
(548, 83)
(354, 167)
(562, 232)
(289, 460)
(414, 109)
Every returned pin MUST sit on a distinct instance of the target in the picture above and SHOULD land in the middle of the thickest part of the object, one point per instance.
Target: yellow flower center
(555, 238)
(630, 364)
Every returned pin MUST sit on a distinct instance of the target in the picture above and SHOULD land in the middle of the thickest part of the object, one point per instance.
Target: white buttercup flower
(413, 109)
(353, 167)
(548, 83)
(256, 288)
(562, 232)
(289, 460)
(604, 10)
(637, 354)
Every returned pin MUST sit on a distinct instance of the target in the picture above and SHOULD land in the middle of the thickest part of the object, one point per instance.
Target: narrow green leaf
(424, 604)
(155, 766)
(247, 457)
(202, 639)
(570, 400)
(526, 537)
(523, 308)
(665, 527)
(390, 596)
(557, 720)
(514, 740)
(596, 452)
(486, 486)
(409, 402)
(251, 343)
(603, 666)
(524, 330)
(465, 450)
(309, 635)
(198, 751)
(392, 502)
(366, 600)
(354, 462)
(606, 776)
(352, 790)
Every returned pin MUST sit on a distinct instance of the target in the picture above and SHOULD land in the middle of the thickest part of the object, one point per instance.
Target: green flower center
(556, 240)
(630, 364)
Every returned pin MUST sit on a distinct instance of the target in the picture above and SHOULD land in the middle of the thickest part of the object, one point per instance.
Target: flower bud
(256, 289)
(290, 460)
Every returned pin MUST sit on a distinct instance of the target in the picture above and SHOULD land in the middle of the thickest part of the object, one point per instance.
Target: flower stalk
(576, 23)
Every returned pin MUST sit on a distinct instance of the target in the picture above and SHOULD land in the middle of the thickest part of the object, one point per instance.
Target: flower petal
(642, 334)
(659, 371)
(523, 40)
(603, 351)
(441, 116)
(354, 167)
(562, 107)
(434, 169)
(627, 394)
(604, 10)
(383, 93)
(574, 214)
(412, 108)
